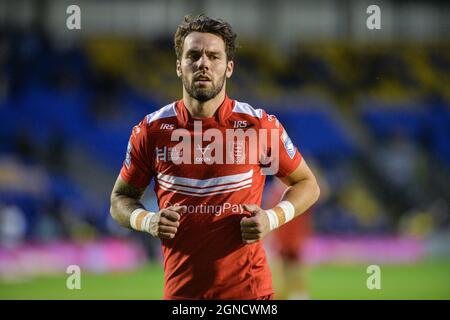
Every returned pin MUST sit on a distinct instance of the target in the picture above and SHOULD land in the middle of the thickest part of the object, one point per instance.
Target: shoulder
(254, 115)
(163, 114)
(152, 121)
(246, 109)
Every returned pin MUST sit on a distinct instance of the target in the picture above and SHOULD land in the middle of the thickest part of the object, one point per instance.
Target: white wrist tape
(273, 219)
(282, 213)
(289, 210)
(140, 219)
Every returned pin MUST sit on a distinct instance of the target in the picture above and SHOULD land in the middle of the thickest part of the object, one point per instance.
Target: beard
(203, 94)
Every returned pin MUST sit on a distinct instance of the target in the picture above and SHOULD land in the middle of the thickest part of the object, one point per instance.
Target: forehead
(203, 41)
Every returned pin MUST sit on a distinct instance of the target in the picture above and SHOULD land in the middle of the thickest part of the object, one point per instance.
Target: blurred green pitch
(425, 280)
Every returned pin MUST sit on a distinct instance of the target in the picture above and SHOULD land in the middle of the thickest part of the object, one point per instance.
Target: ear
(178, 67)
(230, 68)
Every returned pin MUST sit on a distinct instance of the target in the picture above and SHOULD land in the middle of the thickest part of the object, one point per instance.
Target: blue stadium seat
(316, 133)
(386, 122)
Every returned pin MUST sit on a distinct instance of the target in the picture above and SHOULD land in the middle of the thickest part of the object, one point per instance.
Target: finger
(163, 221)
(251, 207)
(167, 229)
(250, 236)
(250, 230)
(170, 214)
(179, 209)
(165, 235)
(248, 222)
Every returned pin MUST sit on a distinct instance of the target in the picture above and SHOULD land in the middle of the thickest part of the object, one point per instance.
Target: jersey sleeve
(137, 166)
(285, 152)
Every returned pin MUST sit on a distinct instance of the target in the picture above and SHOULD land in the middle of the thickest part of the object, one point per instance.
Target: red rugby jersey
(207, 258)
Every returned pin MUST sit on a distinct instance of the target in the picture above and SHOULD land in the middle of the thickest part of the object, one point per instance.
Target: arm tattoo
(124, 200)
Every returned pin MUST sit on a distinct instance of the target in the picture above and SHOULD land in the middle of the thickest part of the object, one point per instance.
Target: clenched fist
(256, 226)
(164, 224)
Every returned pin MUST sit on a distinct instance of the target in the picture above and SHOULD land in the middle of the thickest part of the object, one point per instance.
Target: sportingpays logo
(205, 208)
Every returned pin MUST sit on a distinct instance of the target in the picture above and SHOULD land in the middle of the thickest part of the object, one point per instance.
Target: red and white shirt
(207, 258)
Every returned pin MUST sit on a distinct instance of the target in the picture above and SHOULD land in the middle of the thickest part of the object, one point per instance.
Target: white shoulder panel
(242, 107)
(164, 112)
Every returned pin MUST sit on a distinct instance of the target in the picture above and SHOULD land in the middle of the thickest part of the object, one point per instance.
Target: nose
(203, 62)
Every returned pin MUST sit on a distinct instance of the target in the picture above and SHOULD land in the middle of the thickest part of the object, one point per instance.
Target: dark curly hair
(203, 23)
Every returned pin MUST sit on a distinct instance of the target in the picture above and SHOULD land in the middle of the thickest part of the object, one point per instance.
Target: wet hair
(203, 23)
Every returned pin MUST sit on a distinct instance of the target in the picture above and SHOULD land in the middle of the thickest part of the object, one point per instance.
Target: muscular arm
(302, 192)
(124, 200)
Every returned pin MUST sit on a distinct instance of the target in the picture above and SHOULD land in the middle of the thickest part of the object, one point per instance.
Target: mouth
(202, 79)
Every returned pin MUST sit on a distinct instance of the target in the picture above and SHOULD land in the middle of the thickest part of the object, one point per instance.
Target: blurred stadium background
(369, 109)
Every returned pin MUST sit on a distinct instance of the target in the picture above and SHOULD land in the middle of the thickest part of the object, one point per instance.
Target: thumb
(251, 208)
(247, 220)
(181, 209)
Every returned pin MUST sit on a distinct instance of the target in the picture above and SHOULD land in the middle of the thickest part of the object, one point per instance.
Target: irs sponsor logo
(167, 126)
(240, 124)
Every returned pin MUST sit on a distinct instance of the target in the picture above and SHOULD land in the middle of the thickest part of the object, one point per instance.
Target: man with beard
(210, 254)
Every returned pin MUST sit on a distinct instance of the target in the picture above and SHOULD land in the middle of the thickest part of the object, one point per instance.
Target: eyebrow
(207, 51)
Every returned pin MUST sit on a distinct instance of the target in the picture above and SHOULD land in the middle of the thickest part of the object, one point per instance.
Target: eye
(193, 56)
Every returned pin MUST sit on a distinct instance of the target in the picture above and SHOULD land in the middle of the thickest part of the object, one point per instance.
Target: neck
(203, 109)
